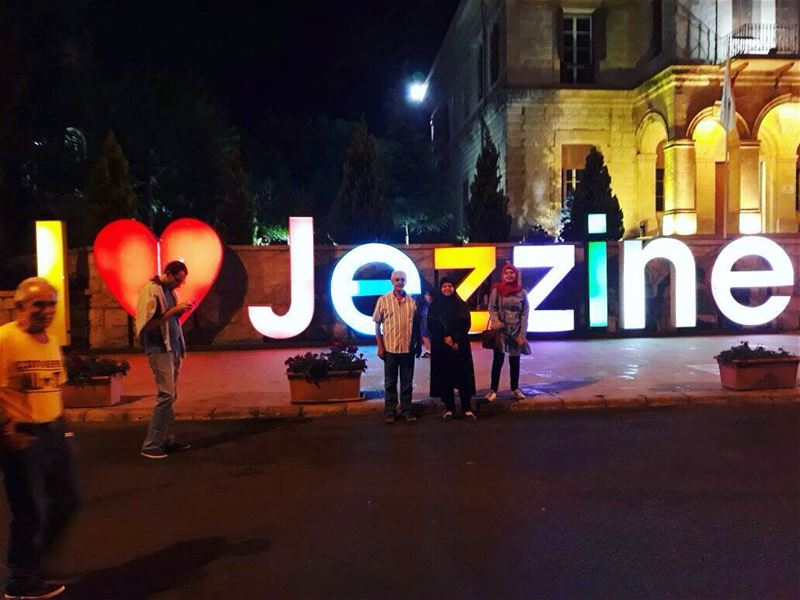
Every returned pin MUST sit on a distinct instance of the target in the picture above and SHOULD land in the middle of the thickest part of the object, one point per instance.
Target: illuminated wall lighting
(635, 257)
(51, 261)
(481, 259)
(749, 222)
(560, 260)
(723, 279)
(344, 287)
(301, 310)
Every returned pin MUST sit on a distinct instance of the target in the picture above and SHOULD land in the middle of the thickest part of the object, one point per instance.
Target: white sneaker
(491, 396)
(518, 394)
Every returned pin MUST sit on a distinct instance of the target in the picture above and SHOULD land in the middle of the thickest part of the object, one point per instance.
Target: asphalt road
(671, 503)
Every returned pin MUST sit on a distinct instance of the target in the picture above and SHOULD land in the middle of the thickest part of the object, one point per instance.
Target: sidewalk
(559, 375)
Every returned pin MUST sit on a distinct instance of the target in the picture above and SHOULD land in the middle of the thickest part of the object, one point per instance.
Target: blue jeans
(166, 367)
(42, 489)
(392, 364)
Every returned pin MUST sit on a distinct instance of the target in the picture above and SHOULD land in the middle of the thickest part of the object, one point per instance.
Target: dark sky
(289, 57)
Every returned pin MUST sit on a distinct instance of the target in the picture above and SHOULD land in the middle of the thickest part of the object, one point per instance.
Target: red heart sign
(127, 254)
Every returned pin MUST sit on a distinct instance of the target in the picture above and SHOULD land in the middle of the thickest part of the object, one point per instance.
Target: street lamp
(417, 91)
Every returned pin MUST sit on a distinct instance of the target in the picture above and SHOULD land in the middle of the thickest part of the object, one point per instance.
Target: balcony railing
(761, 39)
(697, 42)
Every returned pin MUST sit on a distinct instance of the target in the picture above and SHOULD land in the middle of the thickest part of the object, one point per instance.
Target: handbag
(490, 338)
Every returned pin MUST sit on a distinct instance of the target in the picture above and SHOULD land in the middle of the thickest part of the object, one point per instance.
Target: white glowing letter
(301, 310)
(344, 287)
(560, 260)
(683, 311)
(723, 278)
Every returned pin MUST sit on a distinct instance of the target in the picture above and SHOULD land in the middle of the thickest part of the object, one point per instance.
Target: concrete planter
(338, 386)
(759, 373)
(102, 391)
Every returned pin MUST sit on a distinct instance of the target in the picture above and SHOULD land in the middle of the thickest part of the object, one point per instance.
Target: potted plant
(333, 376)
(93, 381)
(744, 368)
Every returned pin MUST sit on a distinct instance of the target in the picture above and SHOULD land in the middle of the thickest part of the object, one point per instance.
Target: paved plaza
(567, 374)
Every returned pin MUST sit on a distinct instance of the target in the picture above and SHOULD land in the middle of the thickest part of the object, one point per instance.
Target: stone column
(785, 182)
(750, 209)
(646, 192)
(680, 213)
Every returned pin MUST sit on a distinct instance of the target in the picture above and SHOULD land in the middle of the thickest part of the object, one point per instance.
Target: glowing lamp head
(417, 91)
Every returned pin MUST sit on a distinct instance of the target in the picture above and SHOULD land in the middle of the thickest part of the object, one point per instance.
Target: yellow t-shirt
(31, 374)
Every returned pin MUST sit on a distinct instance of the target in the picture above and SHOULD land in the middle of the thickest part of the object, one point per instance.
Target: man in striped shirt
(397, 335)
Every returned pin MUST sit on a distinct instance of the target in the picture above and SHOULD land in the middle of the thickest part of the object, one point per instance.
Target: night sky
(339, 58)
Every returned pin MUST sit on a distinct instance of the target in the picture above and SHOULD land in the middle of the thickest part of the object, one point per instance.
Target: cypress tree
(236, 209)
(360, 212)
(109, 195)
(487, 217)
(592, 195)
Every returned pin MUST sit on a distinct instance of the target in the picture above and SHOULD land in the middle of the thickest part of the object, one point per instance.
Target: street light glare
(417, 91)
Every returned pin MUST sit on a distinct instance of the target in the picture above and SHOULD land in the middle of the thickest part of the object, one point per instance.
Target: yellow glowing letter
(51, 260)
(481, 259)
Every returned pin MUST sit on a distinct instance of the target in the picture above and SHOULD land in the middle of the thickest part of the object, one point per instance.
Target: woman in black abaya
(451, 356)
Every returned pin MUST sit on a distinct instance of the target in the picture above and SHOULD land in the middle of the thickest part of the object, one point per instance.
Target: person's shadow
(169, 568)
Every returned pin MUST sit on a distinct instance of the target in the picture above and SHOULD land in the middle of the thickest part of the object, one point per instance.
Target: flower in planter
(315, 367)
(744, 352)
(83, 370)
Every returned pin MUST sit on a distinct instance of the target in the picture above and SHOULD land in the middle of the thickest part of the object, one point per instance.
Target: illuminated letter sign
(301, 310)
(597, 270)
(344, 287)
(561, 260)
(51, 261)
(723, 278)
(127, 254)
(481, 259)
(682, 270)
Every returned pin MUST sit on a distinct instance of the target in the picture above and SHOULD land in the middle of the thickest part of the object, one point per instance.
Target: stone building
(642, 81)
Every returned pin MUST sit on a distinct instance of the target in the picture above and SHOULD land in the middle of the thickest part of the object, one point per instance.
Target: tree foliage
(109, 195)
(592, 195)
(487, 217)
(236, 210)
(360, 212)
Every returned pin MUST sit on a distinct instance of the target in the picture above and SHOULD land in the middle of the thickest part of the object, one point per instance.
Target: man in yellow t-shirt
(36, 452)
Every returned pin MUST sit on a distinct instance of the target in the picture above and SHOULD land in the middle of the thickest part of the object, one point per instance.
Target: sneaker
(389, 419)
(155, 454)
(176, 446)
(491, 396)
(447, 416)
(31, 591)
(409, 418)
(518, 394)
(470, 416)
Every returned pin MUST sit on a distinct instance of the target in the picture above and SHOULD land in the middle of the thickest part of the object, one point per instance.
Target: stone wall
(260, 276)
(6, 306)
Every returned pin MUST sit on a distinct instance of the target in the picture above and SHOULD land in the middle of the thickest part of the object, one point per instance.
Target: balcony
(696, 42)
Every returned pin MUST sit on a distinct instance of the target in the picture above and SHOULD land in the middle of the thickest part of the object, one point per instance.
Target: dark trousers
(42, 490)
(497, 365)
(448, 397)
(392, 365)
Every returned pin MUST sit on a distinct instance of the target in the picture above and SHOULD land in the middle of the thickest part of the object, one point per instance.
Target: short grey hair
(27, 287)
(403, 273)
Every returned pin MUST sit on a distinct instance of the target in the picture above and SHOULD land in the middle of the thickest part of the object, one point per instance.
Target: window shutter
(558, 30)
(599, 34)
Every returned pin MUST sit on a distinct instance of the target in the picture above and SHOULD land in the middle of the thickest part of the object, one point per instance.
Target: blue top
(152, 339)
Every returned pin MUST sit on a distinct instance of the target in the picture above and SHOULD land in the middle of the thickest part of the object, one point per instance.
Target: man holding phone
(159, 330)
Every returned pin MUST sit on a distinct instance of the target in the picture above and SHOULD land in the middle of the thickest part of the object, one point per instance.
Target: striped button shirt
(397, 319)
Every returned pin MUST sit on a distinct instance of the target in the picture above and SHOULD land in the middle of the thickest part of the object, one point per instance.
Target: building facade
(642, 81)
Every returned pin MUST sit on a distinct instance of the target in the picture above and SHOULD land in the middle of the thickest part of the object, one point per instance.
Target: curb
(429, 406)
